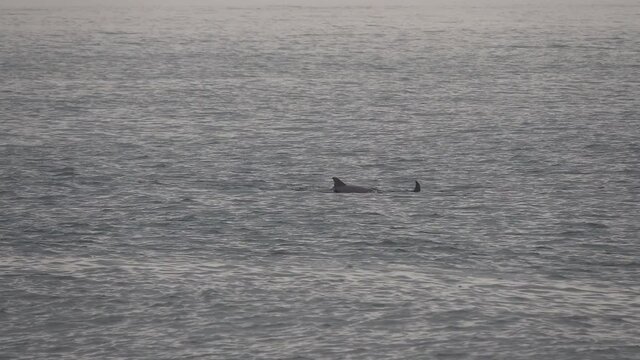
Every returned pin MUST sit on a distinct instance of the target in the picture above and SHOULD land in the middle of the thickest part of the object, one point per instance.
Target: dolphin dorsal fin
(417, 188)
(338, 182)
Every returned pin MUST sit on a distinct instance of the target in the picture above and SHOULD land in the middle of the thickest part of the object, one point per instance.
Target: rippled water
(165, 177)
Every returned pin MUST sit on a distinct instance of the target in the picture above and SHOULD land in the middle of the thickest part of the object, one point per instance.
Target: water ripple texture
(165, 180)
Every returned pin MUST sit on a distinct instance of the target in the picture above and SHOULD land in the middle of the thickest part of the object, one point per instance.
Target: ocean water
(165, 180)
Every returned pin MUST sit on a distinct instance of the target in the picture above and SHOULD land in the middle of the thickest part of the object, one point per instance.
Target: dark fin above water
(417, 188)
(337, 182)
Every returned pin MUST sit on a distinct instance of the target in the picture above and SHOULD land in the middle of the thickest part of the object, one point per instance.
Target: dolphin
(341, 187)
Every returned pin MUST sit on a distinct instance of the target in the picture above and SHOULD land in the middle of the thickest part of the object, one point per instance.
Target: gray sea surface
(165, 180)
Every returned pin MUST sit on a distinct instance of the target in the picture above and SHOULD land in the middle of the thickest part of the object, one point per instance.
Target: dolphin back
(352, 189)
(341, 187)
(417, 187)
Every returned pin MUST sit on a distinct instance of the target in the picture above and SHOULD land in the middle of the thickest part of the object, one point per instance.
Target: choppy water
(166, 170)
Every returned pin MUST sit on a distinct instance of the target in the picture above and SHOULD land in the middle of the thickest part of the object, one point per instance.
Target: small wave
(571, 233)
(579, 226)
(280, 252)
(115, 32)
(184, 218)
(596, 225)
(65, 171)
